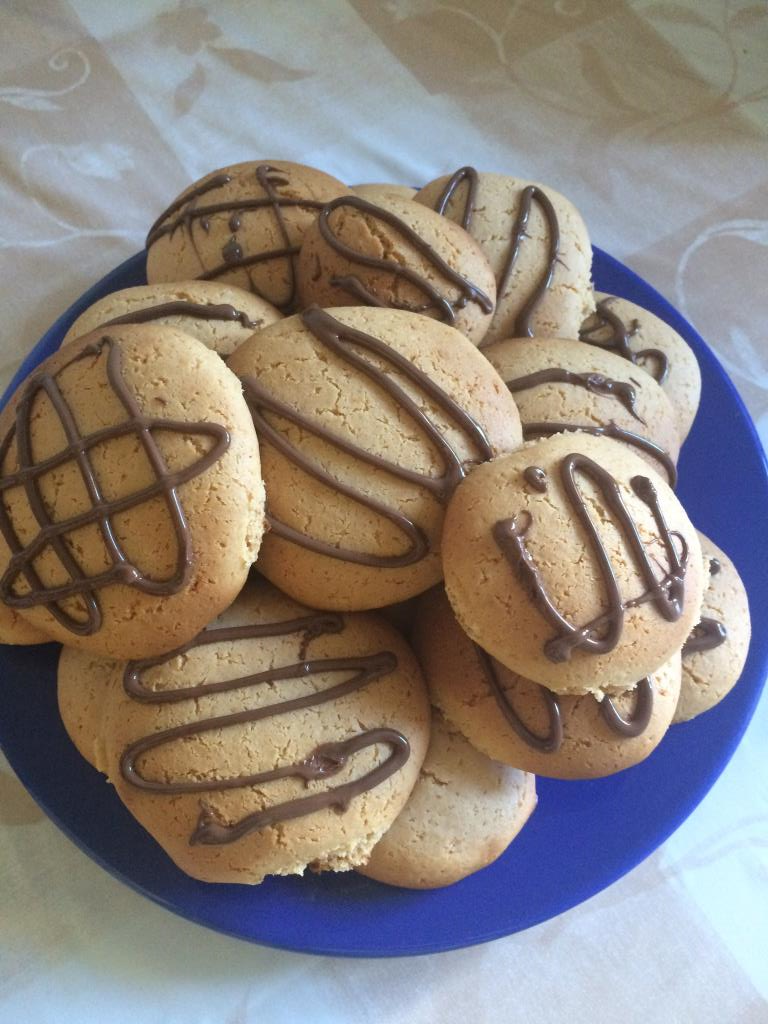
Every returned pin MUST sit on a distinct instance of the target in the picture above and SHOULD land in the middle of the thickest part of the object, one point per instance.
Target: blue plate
(610, 824)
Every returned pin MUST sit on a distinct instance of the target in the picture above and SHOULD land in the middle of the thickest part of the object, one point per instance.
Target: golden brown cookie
(521, 723)
(241, 225)
(715, 652)
(367, 418)
(645, 340)
(564, 385)
(219, 315)
(399, 255)
(280, 738)
(573, 564)
(132, 498)
(462, 814)
(536, 243)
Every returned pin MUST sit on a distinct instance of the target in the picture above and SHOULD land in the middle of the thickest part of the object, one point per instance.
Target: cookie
(367, 419)
(220, 316)
(564, 385)
(463, 813)
(573, 564)
(536, 243)
(14, 629)
(372, 193)
(132, 497)
(521, 723)
(89, 687)
(241, 225)
(645, 340)
(279, 738)
(399, 255)
(715, 652)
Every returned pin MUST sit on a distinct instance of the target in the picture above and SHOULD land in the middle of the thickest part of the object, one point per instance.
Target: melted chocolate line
(666, 593)
(325, 760)
(705, 636)
(340, 339)
(535, 477)
(637, 722)
(52, 534)
(619, 338)
(548, 744)
(184, 307)
(595, 383)
(522, 326)
(541, 429)
(445, 307)
(217, 181)
(241, 205)
(210, 831)
(468, 174)
(714, 566)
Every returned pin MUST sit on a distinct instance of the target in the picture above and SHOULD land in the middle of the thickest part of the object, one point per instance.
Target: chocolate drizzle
(187, 212)
(714, 566)
(602, 633)
(185, 307)
(52, 534)
(343, 341)
(618, 340)
(325, 760)
(706, 635)
(444, 307)
(536, 478)
(522, 327)
(595, 383)
(541, 429)
(633, 725)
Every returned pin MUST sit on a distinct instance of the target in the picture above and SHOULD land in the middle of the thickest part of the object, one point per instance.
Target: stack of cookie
(356, 517)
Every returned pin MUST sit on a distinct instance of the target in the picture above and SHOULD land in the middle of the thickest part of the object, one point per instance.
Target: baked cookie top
(573, 564)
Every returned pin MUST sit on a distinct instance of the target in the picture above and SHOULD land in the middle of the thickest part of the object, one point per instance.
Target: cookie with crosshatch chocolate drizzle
(536, 243)
(573, 564)
(132, 500)
(279, 738)
(241, 225)
(367, 420)
(521, 723)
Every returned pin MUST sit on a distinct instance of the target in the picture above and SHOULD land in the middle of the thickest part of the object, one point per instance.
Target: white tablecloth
(652, 117)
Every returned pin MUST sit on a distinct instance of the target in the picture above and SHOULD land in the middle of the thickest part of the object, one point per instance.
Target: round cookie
(536, 243)
(564, 385)
(714, 654)
(242, 225)
(367, 420)
(463, 813)
(373, 193)
(14, 629)
(399, 255)
(132, 497)
(641, 337)
(219, 315)
(573, 564)
(280, 738)
(521, 723)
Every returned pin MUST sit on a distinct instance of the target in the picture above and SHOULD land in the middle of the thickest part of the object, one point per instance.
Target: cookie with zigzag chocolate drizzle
(368, 419)
(585, 577)
(241, 225)
(132, 500)
(522, 723)
(278, 738)
(536, 243)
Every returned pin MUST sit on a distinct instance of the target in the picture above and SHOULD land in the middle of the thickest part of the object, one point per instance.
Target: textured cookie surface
(219, 315)
(573, 564)
(644, 339)
(521, 723)
(89, 688)
(375, 191)
(561, 385)
(536, 243)
(463, 813)
(714, 654)
(281, 738)
(132, 497)
(400, 255)
(242, 225)
(367, 418)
